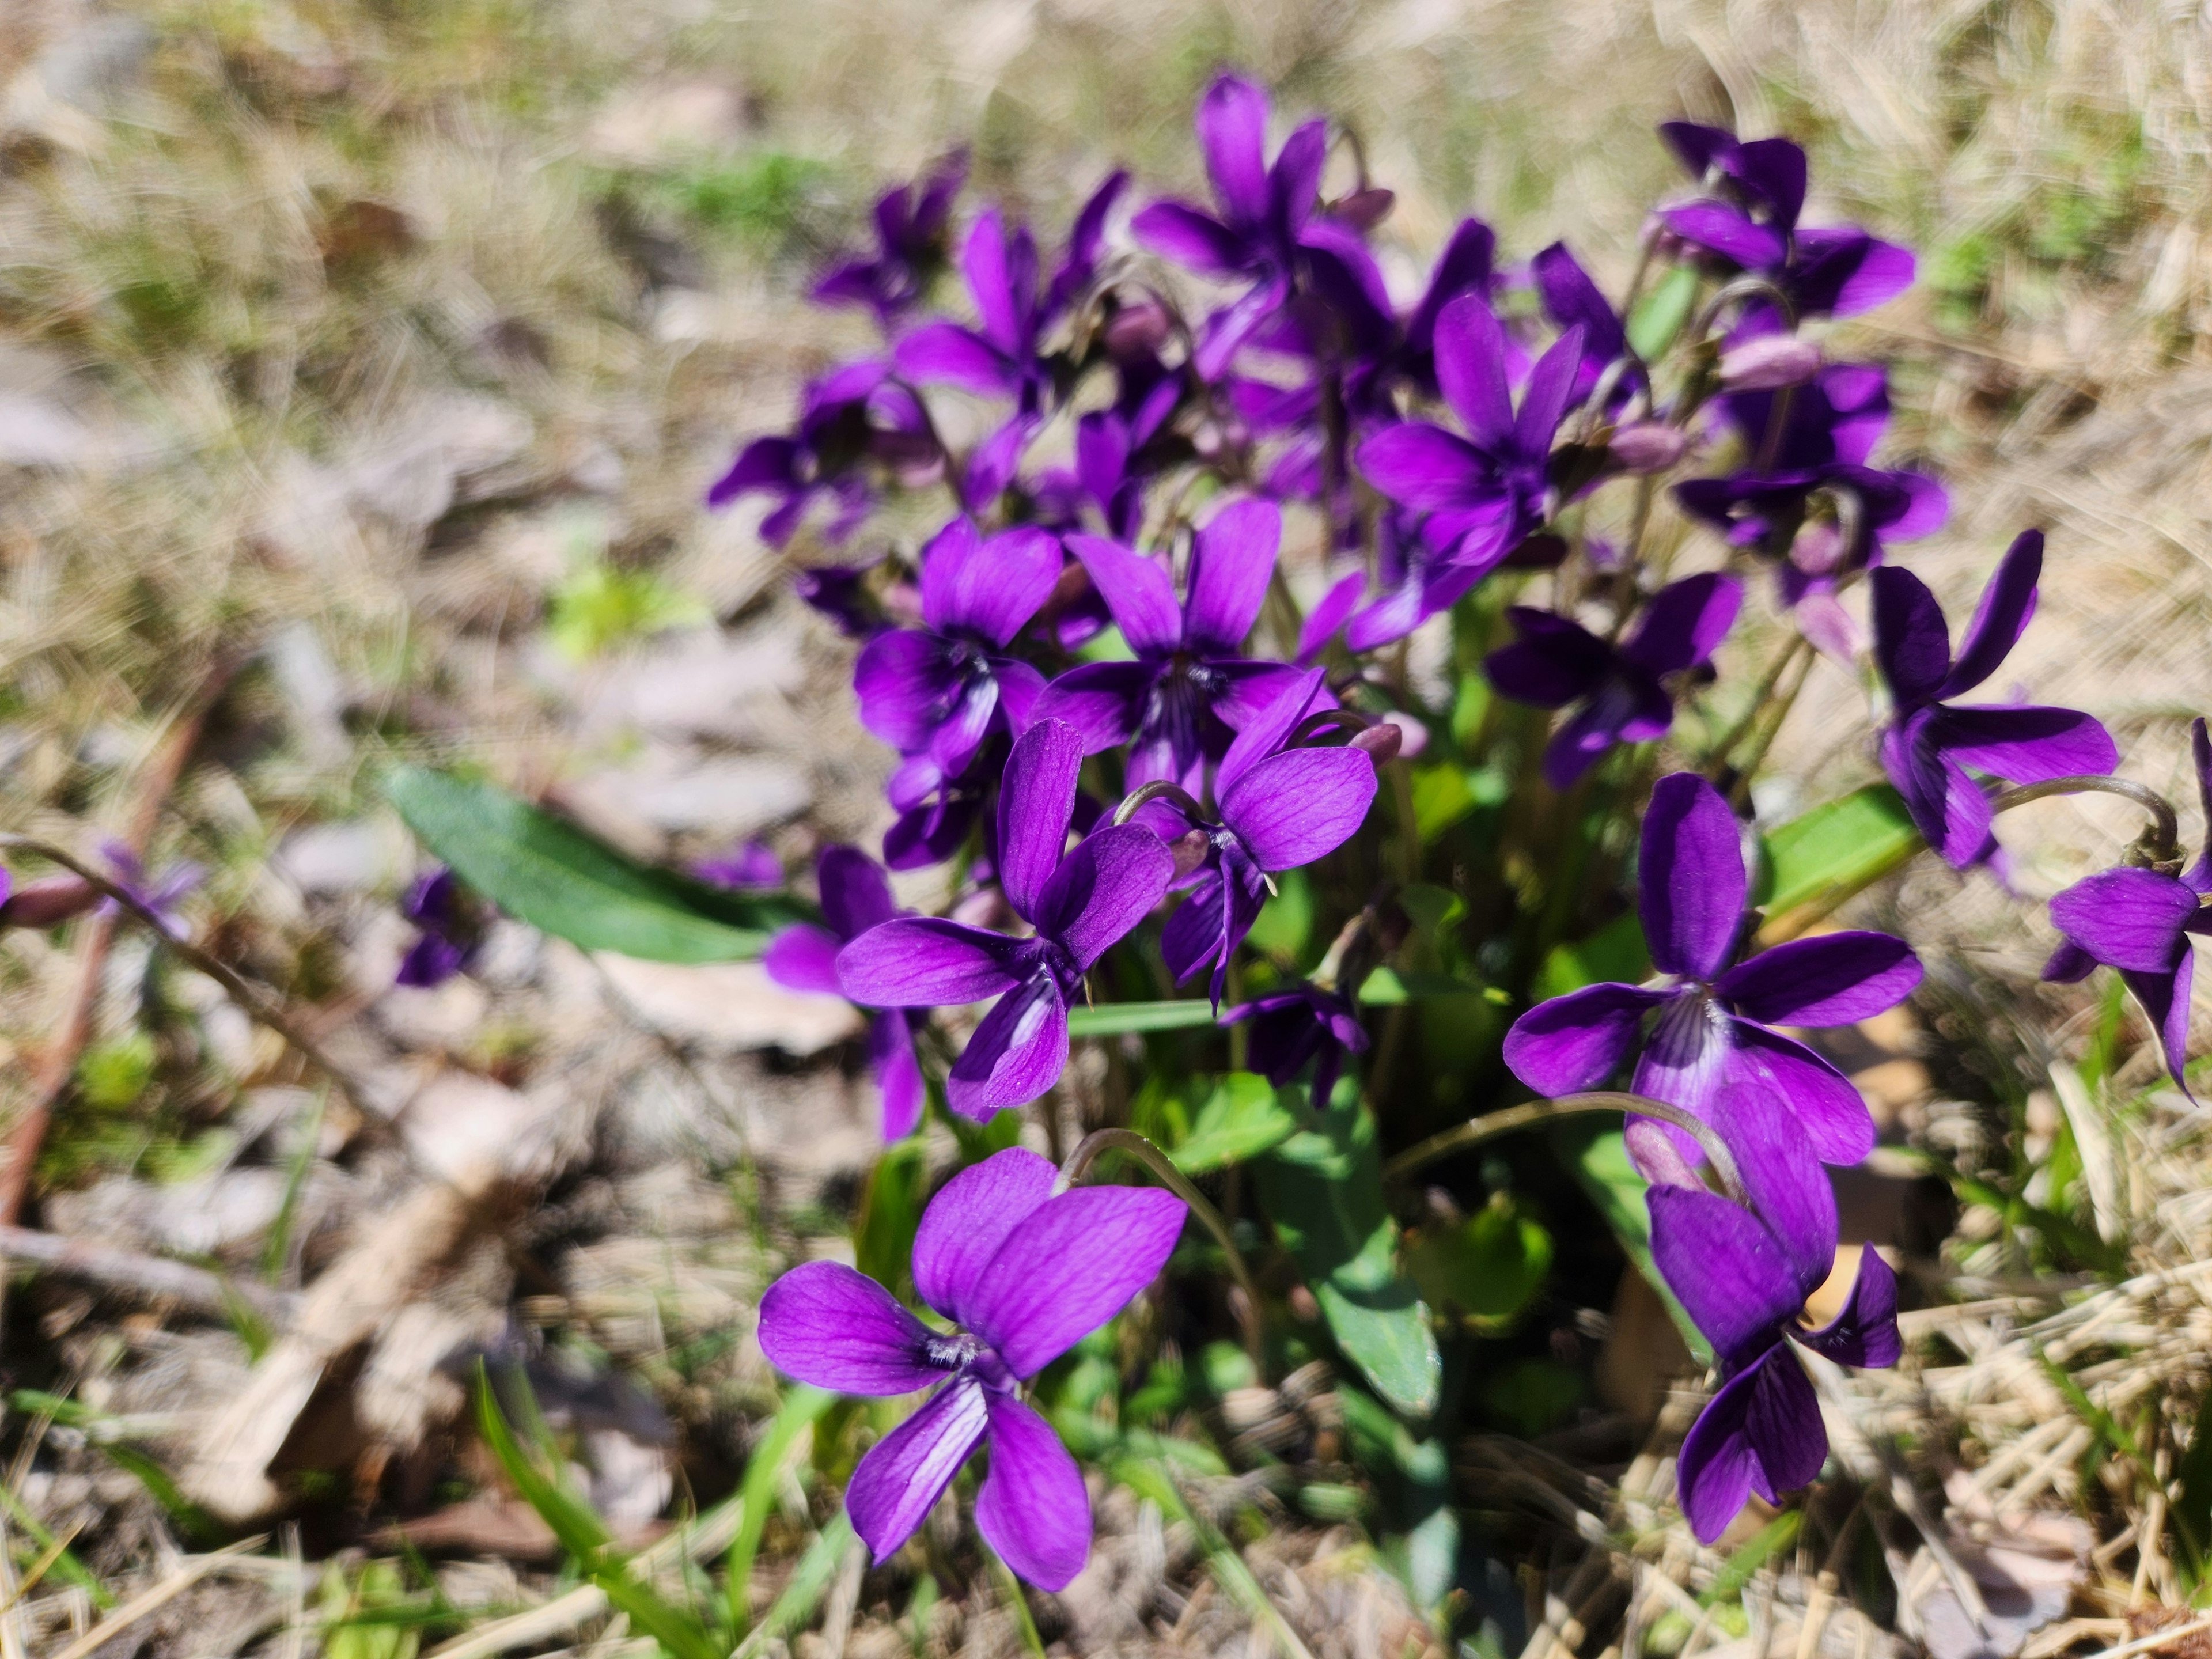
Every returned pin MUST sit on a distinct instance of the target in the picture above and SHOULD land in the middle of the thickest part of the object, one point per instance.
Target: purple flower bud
(1381, 740)
(48, 902)
(1139, 330)
(1769, 363)
(1649, 446)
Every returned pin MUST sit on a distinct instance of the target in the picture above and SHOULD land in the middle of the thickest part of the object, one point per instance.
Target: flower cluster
(1120, 713)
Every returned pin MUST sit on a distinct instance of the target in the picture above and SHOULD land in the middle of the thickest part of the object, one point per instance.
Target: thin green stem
(1159, 789)
(1767, 682)
(1513, 1119)
(2166, 823)
(1099, 1142)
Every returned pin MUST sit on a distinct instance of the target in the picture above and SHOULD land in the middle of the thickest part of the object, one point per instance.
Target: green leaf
(1244, 1117)
(1387, 988)
(1115, 1018)
(1286, 924)
(802, 1408)
(1446, 792)
(1489, 1266)
(545, 871)
(1821, 858)
(1659, 314)
(1599, 1160)
(1322, 1189)
(889, 1212)
(1615, 953)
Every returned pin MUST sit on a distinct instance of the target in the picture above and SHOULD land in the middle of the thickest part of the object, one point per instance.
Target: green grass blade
(802, 1408)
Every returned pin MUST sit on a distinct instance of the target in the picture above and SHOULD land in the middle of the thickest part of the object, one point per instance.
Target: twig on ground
(149, 1276)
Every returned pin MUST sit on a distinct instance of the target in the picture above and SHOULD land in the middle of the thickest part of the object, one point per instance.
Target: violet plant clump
(1404, 663)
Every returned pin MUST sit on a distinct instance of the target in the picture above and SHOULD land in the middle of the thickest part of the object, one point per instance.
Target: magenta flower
(1265, 232)
(450, 930)
(1930, 744)
(1080, 903)
(1024, 1274)
(1743, 1275)
(1189, 691)
(2139, 921)
(1292, 1028)
(1715, 1015)
(1485, 492)
(855, 415)
(1622, 688)
(911, 226)
(1279, 808)
(1752, 224)
(936, 693)
(855, 896)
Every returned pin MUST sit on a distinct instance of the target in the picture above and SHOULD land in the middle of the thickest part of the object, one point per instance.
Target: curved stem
(2166, 824)
(1159, 789)
(1745, 286)
(1492, 1124)
(258, 1003)
(1321, 719)
(1098, 1142)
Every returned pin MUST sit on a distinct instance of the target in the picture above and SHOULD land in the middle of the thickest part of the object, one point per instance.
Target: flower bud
(1381, 740)
(1649, 446)
(1769, 363)
(49, 901)
(1135, 330)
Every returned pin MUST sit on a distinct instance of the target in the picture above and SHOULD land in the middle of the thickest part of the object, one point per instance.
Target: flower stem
(1099, 1142)
(2165, 826)
(1174, 793)
(1492, 1124)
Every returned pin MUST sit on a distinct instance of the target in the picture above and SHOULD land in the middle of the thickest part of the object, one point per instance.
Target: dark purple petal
(1730, 1271)
(1226, 331)
(1232, 136)
(1698, 147)
(1033, 1509)
(1323, 620)
(1544, 399)
(1686, 1061)
(1464, 266)
(1911, 645)
(1834, 979)
(2007, 604)
(988, 265)
(1865, 1333)
(1784, 1426)
(1232, 557)
(825, 1324)
(1552, 664)
(1719, 229)
(1577, 1040)
(945, 353)
(769, 463)
(1717, 1466)
(2024, 745)
(1036, 803)
(1685, 622)
(2127, 918)
(1299, 805)
(1842, 270)
(2165, 998)
(1245, 689)
(1103, 889)
(1397, 612)
(1191, 237)
(1833, 1115)
(1788, 1190)
(1101, 701)
(1266, 733)
(1295, 180)
(905, 684)
(969, 1220)
(1136, 590)
(1070, 1266)
(1572, 301)
(1019, 688)
(987, 588)
(431, 960)
(925, 962)
(1690, 869)
(804, 957)
(2199, 874)
(2069, 964)
(1195, 933)
(899, 1072)
(1424, 467)
(1946, 807)
(855, 895)
(1471, 369)
(904, 1473)
(1774, 171)
(1017, 1052)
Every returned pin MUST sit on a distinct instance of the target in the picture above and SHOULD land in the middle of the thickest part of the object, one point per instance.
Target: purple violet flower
(161, 893)
(1080, 903)
(2139, 922)
(1278, 808)
(1266, 233)
(1023, 1273)
(1837, 270)
(1189, 691)
(1715, 1021)
(911, 223)
(855, 896)
(451, 930)
(1572, 301)
(750, 868)
(840, 593)
(1930, 744)
(1485, 492)
(1290, 1027)
(1622, 688)
(936, 693)
(854, 415)
(1743, 1276)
